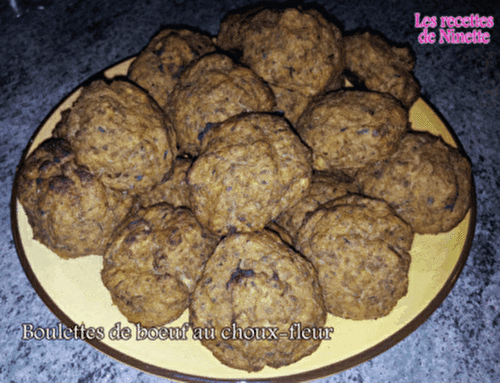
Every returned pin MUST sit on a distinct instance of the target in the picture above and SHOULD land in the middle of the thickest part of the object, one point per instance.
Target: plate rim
(318, 373)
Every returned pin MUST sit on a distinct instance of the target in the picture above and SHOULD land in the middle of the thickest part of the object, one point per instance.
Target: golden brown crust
(360, 248)
(159, 65)
(324, 187)
(173, 188)
(256, 281)
(146, 298)
(119, 132)
(251, 167)
(290, 48)
(428, 182)
(381, 67)
(361, 279)
(389, 226)
(211, 90)
(69, 209)
(154, 261)
(350, 129)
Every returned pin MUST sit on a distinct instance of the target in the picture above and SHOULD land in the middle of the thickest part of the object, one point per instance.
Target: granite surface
(49, 47)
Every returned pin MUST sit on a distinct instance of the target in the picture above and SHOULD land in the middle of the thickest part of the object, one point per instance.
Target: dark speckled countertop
(49, 47)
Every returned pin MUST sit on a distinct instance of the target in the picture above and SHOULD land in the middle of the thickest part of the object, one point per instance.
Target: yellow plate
(73, 290)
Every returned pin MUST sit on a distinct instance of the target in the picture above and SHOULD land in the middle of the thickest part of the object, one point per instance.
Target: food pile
(238, 177)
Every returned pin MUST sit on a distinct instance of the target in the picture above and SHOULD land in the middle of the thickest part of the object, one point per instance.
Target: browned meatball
(349, 129)
(251, 168)
(291, 48)
(255, 281)
(158, 67)
(118, 131)
(68, 208)
(381, 67)
(153, 263)
(211, 90)
(360, 248)
(428, 182)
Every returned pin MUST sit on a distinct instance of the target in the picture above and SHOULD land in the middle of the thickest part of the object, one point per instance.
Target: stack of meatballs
(238, 177)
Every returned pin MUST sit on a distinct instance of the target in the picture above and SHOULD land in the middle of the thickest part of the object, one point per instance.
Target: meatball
(211, 90)
(118, 131)
(69, 209)
(251, 168)
(295, 49)
(428, 182)
(381, 67)
(253, 283)
(349, 129)
(158, 67)
(153, 263)
(360, 248)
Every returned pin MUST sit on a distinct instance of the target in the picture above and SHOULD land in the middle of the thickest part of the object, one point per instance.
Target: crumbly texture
(356, 214)
(256, 281)
(153, 263)
(173, 189)
(68, 208)
(159, 65)
(428, 182)
(350, 129)
(325, 186)
(361, 279)
(291, 48)
(291, 103)
(360, 248)
(251, 168)
(118, 131)
(382, 67)
(211, 90)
